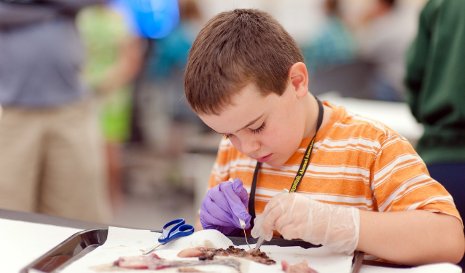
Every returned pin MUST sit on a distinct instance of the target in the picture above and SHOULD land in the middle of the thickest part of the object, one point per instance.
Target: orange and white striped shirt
(355, 162)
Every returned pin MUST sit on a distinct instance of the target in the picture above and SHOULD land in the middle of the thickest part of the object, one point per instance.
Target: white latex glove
(296, 216)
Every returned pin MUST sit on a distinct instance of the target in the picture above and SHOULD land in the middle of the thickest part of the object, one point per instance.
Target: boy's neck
(312, 116)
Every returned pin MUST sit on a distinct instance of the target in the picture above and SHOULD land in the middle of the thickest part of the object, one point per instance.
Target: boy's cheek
(235, 142)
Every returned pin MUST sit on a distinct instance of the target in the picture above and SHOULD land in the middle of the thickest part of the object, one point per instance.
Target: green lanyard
(300, 173)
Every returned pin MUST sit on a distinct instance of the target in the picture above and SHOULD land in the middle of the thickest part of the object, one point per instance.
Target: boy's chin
(276, 162)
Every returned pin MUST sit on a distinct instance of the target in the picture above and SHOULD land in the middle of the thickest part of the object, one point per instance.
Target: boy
(365, 187)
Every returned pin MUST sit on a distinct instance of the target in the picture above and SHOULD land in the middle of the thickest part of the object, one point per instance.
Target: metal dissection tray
(68, 251)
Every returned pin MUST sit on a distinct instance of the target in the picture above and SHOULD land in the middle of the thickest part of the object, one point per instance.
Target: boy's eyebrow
(248, 124)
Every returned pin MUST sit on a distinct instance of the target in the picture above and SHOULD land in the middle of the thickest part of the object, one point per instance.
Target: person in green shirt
(436, 93)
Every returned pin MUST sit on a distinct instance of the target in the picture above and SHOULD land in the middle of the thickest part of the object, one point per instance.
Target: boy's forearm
(411, 237)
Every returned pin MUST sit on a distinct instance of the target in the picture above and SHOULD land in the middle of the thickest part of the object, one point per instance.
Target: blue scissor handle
(174, 229)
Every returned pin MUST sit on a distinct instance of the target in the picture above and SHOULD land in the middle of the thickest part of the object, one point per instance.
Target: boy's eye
(254, 131)
(259, 129)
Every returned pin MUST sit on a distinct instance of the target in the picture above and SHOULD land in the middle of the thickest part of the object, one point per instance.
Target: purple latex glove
(224, 205)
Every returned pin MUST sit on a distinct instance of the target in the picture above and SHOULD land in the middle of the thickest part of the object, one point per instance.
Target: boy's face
(268, 129)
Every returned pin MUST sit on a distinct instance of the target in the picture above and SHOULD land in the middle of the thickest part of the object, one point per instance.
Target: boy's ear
(298, 75)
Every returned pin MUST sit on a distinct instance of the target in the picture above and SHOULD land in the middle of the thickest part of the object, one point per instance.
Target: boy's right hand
(297, 216)
(224, 205)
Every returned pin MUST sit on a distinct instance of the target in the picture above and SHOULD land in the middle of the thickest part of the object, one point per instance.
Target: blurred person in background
(164, 79)
(384, 32)
(436, 93)
(52, 154)
(114, 58)
(334, 43)
(332, 55)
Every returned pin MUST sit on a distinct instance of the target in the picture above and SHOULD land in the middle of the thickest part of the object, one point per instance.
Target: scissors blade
(150, 250)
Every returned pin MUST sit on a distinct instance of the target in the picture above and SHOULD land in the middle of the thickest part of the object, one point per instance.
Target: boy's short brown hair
(233, 49)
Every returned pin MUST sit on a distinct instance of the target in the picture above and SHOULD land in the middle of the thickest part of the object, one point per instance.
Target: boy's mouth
(265, 158)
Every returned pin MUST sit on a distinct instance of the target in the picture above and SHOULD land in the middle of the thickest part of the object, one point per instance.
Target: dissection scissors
(172, 230)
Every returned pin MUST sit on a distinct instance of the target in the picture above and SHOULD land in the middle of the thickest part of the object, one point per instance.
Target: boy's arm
(411, 237)
(404, 229)
(417, 221)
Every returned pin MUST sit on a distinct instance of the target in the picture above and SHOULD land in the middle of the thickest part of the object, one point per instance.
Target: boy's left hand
(297, 216)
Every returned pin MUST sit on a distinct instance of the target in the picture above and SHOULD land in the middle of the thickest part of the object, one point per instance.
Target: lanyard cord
(300, 173)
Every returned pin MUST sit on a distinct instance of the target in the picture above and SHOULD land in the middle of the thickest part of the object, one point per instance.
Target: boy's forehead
(246, 106)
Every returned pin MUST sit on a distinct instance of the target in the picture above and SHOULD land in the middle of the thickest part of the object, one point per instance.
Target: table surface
(27, 236)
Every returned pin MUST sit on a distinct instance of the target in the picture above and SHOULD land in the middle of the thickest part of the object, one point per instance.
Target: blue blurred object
(151, 18)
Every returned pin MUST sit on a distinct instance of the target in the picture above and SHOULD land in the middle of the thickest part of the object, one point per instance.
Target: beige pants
(51, 161)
